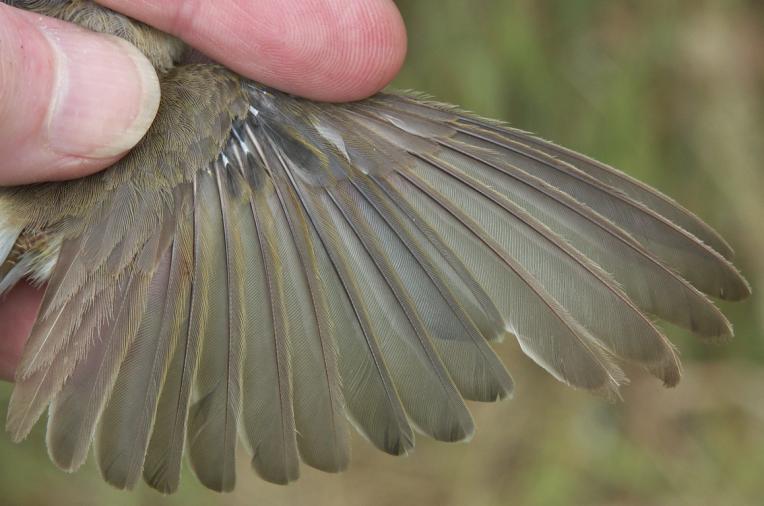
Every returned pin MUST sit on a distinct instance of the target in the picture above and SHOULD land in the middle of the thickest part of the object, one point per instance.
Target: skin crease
(330, 50)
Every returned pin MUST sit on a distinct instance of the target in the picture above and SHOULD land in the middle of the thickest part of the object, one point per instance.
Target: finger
(335, 50)
(17, 312)
(71, 101)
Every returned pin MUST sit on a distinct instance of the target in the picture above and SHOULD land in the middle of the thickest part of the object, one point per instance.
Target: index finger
(331, 50)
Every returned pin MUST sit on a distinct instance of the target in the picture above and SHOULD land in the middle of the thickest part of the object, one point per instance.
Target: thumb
(71, 101)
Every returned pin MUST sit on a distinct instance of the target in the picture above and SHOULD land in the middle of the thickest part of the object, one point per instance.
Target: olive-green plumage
(268, 268)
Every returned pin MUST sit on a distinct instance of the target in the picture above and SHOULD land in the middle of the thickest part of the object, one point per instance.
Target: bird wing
(342, 265)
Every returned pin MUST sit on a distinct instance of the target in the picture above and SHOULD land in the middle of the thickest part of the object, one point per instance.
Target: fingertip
(73, 101)
(364, 47)
(337, 51)
(381, 50)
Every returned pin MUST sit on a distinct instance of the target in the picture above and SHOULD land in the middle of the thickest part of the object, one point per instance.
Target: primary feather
(268, 268)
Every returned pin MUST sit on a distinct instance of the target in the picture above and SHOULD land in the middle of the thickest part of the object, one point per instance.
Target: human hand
(55, 79)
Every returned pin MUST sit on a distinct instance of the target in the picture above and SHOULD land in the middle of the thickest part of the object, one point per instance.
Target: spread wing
(340, 266)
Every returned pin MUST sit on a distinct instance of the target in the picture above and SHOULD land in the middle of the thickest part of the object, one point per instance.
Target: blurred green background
(671, 92)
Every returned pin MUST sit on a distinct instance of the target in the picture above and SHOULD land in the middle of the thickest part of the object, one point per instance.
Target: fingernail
(105, 97)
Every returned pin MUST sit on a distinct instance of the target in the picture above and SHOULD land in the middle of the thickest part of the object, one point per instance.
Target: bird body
(267, 268)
